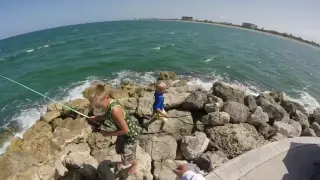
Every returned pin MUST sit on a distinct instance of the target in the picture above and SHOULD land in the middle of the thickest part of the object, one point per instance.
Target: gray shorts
(126, 149)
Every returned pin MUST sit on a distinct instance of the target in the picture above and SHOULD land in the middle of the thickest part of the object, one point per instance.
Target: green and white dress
(127, 143)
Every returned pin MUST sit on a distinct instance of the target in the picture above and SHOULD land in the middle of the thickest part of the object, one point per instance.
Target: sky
(299, 17)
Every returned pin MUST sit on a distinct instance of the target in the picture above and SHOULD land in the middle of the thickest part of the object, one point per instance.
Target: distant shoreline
(246, 29)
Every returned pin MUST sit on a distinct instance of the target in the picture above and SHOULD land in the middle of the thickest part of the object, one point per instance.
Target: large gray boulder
(216, 119)
(180, 83)
(213, 104)
(266, 130)
(159, 147)
(163, 169)
(277, 137)
(211, 160)
(289, 128)
(279, 96)
(106, 153)
(144, 108)
(235, 139)
(143, 169)
(316, 127)
(238, 112)
(99, 143)
(186, 89)
(193, 146)
(179, 124)
(15, 162)
(81, 147)
(60, 168)
(167, 75)
(250, 102)
(258, 117)
(38, 142)
(51, 115)
(308, 132)
(195, 101)
(75, 131)
(292, 106)
(301, 118)
(228, 92)
(174, 99)
(316, 115)
(130, 104)
(79, 159)
(274, 110)
(78, 104)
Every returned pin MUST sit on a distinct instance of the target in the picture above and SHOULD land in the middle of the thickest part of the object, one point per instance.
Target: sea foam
(308, 102)
(30, 50)
(157, 48)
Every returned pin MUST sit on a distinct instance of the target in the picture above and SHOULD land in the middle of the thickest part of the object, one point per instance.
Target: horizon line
(134, 19)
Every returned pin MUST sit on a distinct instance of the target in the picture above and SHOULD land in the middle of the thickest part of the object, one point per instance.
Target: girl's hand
(92, 118)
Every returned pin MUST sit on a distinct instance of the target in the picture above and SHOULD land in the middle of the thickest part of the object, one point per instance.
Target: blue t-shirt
(158, 101)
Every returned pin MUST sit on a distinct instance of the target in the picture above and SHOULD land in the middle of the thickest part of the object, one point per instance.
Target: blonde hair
(161, 85)
(96, 94)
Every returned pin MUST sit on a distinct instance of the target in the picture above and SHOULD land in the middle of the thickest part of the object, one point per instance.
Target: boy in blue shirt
(158, 106)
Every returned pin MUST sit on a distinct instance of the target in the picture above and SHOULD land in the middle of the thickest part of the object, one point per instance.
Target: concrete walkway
(289, 159)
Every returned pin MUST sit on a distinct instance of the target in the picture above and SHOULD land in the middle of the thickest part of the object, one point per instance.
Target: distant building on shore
(187, 18)
(249, 25)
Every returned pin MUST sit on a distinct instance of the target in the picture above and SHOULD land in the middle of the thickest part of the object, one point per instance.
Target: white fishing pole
(45, 96)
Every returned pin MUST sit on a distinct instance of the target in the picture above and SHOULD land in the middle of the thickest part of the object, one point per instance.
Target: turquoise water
(61, 62)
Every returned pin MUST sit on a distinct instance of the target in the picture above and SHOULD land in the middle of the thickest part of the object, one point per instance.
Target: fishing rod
(67, 107)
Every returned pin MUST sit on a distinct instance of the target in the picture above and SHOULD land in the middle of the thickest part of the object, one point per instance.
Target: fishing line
(69, 108)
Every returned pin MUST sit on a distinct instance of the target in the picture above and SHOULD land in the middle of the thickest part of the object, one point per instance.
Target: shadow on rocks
(106, 170)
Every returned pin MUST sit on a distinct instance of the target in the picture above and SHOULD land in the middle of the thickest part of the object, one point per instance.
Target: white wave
(308, 102)
(228, 67)
(76, 90)
(30, 50)
(140, 78)
(4, 108)
(28, 116)
(209, 59)
(157, 48)
(172, 33)
(204, 84)
(172, 44)
(47, 45)
(4, 147)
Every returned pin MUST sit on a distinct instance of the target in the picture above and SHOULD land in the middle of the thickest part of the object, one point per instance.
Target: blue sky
(299, 17)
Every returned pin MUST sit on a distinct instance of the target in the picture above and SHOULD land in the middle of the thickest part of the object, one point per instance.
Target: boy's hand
(165, 115)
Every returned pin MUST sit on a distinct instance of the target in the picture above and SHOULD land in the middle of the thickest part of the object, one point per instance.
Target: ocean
(61, 63)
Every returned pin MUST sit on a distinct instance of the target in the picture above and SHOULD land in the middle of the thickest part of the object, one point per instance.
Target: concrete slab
(289, 159)
(244, 163)
(212, 176)
(287, 144)
(296, 164)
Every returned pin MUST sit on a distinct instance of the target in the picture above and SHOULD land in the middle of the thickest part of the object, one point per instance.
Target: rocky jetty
(206, 128)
